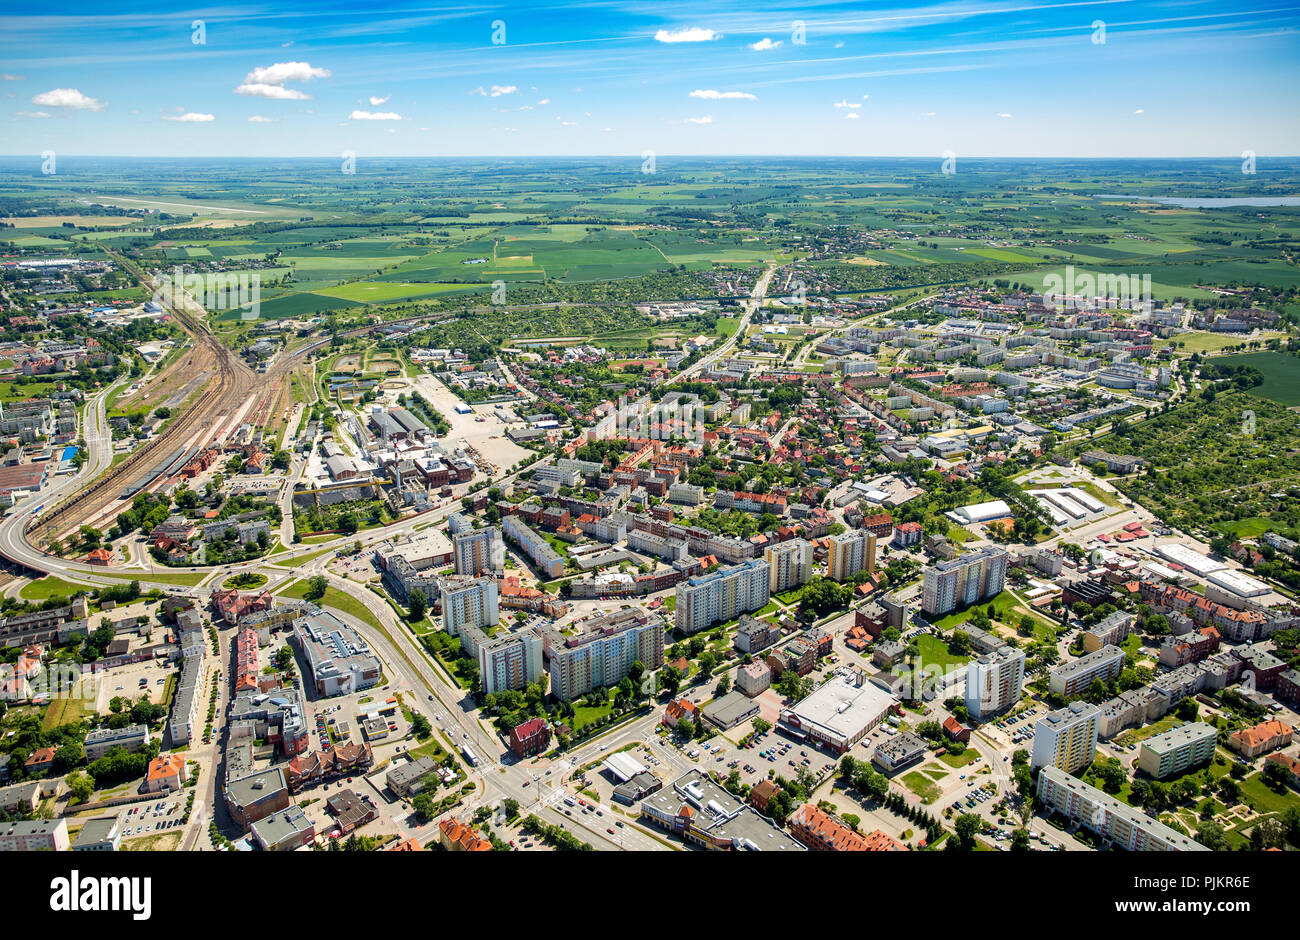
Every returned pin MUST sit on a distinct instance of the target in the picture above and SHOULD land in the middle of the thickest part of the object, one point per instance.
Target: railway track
(222, 395)
(221, 398)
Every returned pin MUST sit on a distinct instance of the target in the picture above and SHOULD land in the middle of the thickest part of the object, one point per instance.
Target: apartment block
(1112, 631)
(533, 545)
(994, 682)
(100, 742)
(723, 595)
(604, 653)
(964, 580)
(791, 564)
(850, 553)
(1178, 749)
(1067, 738)
(1074, 678)
(478, 551)
(510, 662)
(1117, 823)
(470, 602)
(36, 835)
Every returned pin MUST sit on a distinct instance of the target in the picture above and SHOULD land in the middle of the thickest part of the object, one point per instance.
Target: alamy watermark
(1126, 291)
(29, 681)
(642, 419)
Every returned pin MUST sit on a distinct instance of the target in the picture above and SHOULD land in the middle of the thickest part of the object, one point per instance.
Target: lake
(1225, 202)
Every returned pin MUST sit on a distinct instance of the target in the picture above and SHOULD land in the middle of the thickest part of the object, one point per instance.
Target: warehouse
(840, 713)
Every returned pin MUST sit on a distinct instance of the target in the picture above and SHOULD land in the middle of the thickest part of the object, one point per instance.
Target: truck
(470, 757)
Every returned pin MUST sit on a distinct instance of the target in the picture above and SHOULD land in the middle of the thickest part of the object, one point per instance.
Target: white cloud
(707, 119)
(843, 103)
(689, 34)
(269, 81)
(1139, 111)
(68, 98)
(567, 123)
(852, 116)
(374, 116)
(1003, 114)
(710, 95)
(544, 101)
(495, 92)
(375, 101)
(6, 77)
(277, 92)
(190, 117)
(281, 73)
(764, 44)
(258, 119)
(33, 114)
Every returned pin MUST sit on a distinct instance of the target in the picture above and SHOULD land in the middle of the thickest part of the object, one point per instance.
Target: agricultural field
(1281, 375)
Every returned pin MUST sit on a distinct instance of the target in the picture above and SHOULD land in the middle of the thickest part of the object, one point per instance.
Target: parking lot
(132, 681)
(144, 819)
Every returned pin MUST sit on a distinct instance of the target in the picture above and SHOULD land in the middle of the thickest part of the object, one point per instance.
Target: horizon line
(639, 156)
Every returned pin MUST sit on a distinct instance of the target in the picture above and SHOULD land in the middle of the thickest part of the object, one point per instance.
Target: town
(832, 576)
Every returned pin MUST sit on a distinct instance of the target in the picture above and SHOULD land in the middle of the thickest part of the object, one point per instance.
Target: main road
(754, 302)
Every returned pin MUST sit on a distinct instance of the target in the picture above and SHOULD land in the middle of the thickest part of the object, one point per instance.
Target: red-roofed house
(166, 773)
(822, 832)
(956, 730)
(457, 837)
(1261, 738)
(530, 738)
(679, 709)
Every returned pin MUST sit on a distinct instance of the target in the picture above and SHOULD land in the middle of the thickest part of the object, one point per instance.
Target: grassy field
(64, 710)
(334, 598)
(933, 651)
(183, 578)
(1007, 609)
(585, 715)
(49, 586)
(1281, 375)
(922, 786)
(966, 757)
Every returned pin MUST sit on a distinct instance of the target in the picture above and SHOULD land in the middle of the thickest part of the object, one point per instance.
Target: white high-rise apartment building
(1066, 738)
(723, 595)
(851, 552)
(994, 682)
(479, 551)
(510, 662)
(791, 564)
(965, 580)
(469, 601)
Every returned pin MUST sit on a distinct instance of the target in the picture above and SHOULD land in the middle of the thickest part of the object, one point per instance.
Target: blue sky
(975, 77)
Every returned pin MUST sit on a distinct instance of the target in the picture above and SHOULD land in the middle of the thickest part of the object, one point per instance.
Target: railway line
(220, 407)
(165, 454)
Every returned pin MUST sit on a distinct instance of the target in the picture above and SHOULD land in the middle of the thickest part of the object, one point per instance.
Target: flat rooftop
(842, 706)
